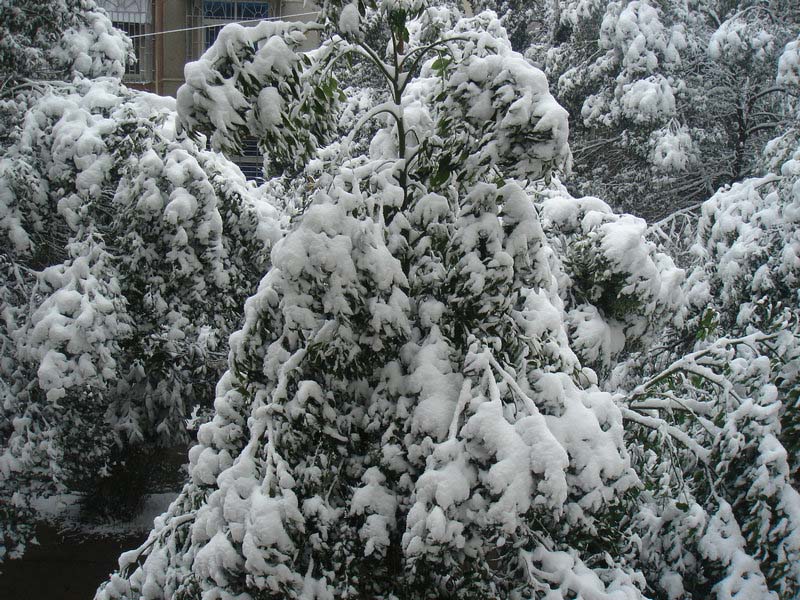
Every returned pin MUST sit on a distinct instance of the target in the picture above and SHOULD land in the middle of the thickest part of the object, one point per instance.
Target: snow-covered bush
(58, 39)
(718, 511)
(127, 254)
(748, 239)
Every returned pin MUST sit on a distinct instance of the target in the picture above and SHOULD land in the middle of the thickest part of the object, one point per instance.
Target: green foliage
(288, 107)
(595, 283)
(126, 255)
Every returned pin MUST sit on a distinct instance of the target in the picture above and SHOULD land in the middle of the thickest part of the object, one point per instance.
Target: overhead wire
(222, 23)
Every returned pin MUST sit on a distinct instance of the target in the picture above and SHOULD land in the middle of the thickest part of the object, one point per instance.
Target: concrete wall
(174, 45)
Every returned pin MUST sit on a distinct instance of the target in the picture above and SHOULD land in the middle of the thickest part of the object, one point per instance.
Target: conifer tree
(403, 415)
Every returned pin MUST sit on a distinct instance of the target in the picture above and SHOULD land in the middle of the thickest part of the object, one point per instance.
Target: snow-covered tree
(127, 252)
(721, 510)
(186, 246)
(409, 409)
(669, 100)
(403, 414)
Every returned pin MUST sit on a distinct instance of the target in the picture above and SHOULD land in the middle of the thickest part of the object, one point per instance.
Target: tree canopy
(459, 376)
(450, 382)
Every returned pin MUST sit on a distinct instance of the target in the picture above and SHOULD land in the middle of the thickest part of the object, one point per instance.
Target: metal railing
(135, 17)
(210, 16)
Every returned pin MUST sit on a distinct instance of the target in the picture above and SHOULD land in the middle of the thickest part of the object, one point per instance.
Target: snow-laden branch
(387, 107)
(132, 557)
(690, 364)
(697, 364)
(512, 383)
(664, 427)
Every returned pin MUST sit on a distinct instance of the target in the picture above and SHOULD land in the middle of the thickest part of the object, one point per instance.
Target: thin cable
(141, 35)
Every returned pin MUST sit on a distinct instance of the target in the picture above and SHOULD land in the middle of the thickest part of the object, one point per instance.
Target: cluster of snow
(95, 49)
(73, 334)
(673, 149)
(574, 12)
(741, 41)
(749, 234)
(621, 289)
(497, 111)
(349, 20)
(789, 65)
(635, 30)
(647, 100)
(723, 542)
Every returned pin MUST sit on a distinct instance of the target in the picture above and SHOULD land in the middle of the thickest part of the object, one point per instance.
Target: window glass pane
(219, 10)
(250, 147)
(211, 34)
(252, 171)
(253, 10)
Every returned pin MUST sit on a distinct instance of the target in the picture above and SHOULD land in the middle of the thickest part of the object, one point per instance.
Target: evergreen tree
(403, 415)
(668, 100)
(126, 255)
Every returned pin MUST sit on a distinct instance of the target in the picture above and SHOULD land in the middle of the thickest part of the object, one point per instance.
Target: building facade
(167, 34)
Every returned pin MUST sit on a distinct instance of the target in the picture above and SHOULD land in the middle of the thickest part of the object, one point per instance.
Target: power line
(153, 33)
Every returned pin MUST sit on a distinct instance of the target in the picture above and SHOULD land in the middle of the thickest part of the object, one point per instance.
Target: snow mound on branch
(789, 65)
(621, 288)
(241, 85)
(672, 149)
(739, 40)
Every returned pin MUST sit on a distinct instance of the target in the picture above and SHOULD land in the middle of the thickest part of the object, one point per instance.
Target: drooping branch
(690, 364)
(659, 424)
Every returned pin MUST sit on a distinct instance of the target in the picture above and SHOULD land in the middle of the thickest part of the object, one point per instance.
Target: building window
(135, 18)
(206, 20)
(234, 10)
(216, 14)
(208, 17)
(250, 161)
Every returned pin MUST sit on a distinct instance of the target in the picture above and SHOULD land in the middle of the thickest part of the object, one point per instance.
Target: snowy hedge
(127, 254)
